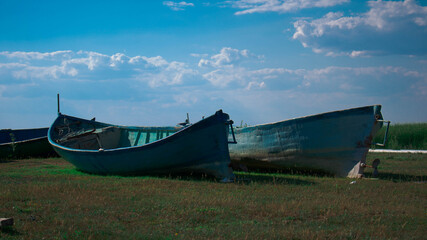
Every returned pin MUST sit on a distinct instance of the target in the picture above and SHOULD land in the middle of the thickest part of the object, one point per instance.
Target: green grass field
(49, 199)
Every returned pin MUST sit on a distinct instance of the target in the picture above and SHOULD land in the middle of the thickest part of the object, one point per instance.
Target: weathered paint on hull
(22, 143)
(335, 142)
(200, 147)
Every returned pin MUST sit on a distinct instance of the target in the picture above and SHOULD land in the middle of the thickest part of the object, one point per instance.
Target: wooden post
(57, 97)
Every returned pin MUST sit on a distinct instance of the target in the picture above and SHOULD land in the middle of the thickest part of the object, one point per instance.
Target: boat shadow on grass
(246, 179)
(241, 178)
(10, 159)
(267, 177)
(9, 230)
(7, 160)
(170, 176)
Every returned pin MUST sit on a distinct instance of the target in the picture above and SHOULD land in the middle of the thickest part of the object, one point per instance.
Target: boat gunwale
(23, 141)
(22, 129)
(304, 117)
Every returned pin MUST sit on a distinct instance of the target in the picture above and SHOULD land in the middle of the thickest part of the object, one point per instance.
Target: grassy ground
(49, 199)
(404, 136)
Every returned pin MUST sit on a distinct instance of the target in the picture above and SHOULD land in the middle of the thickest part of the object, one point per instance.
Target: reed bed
(404, 136)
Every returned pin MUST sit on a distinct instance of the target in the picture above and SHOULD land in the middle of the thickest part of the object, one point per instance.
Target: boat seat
(109, 137)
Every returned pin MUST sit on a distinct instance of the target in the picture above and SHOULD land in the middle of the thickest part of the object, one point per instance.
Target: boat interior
(94, 136)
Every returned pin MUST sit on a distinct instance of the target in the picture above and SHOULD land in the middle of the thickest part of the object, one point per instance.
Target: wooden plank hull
(109, 149)
(335, 142)
(22, 143)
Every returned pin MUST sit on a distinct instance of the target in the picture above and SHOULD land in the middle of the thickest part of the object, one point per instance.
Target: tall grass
(404, 136)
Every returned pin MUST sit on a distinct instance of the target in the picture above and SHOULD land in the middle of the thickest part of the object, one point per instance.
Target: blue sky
(151, 62)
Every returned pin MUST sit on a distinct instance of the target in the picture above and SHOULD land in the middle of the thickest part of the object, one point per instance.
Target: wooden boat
(22, 143)
(334, 142)
(102, 148)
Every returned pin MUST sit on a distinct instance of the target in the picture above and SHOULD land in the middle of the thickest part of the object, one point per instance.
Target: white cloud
(30, 72)
(158, 72)
(223, 77)
(187, 99)
(92, 66)
(226, 58)
(172, 74)
(36, 55)
(156, 61)
(118, 59)
(91, 59)
(389, 27)
(25, 71)
(358, 53)
(387, 15)
(199, 55)
(226, 67)
(281, 6)
(386, 81)
(4, 67)
(177, 6)
(254, 85)
(241, 77)
(271, 71)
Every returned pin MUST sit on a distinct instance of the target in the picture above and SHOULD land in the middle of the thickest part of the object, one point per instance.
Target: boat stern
(378, 122)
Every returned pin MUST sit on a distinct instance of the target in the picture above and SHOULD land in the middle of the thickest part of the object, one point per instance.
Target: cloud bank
(230, 68)
(140, 85)
(389, 27)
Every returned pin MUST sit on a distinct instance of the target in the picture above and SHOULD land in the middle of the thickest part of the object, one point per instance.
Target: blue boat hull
(22, 143)
(110, 149)
(335, 142)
